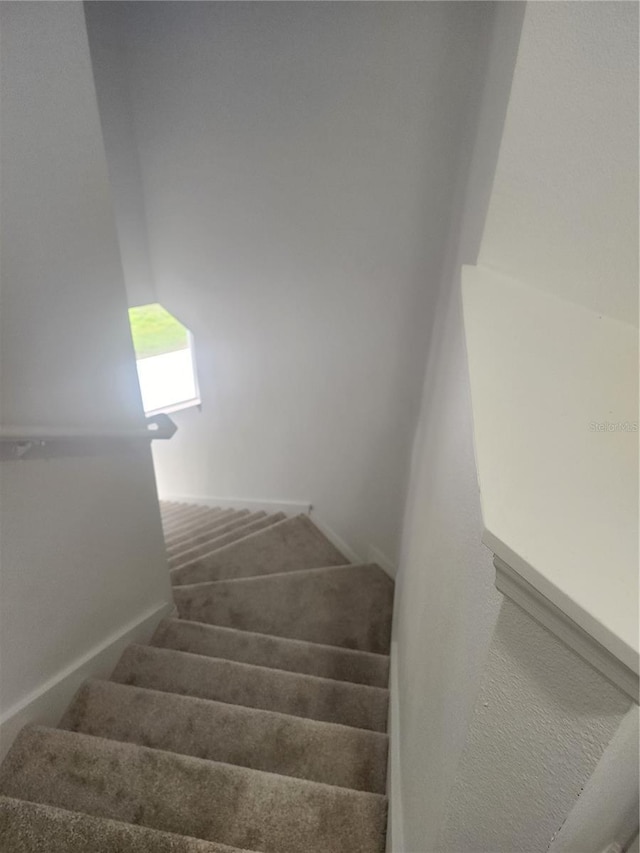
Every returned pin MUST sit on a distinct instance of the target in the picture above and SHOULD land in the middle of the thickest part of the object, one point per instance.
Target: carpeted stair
(254, 721)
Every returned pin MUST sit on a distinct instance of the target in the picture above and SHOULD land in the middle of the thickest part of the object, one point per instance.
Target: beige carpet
(254, 722)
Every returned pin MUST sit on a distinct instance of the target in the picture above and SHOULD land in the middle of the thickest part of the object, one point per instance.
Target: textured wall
(564, 210)
(541, 723)
(607, 810)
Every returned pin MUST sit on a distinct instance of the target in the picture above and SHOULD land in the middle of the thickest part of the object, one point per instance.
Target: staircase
(254, 720)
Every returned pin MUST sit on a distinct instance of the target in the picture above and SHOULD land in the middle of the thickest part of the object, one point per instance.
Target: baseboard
(375, 555)
(47, 704)
(288, 507)
(335, 539)
(395, 821)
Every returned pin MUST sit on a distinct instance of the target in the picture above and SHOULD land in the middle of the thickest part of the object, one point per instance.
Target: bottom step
(33, 828)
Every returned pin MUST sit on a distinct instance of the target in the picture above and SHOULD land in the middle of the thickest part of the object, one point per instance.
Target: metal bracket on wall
(29, 442)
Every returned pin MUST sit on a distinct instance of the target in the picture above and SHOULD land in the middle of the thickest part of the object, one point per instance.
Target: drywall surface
(81, 553)
(446, 602)
(541, 723)
(81, 556)
(452, 797)
(110, 62)
(66, 346)
(607, 809)
(298, 162)
(564, 210)
(446, 599)
(446, 606)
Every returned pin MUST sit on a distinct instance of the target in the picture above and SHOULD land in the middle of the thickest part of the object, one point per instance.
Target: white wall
(446, 603)
(298, 162)
(542, 721)
(451, 745)
(111, 73)
(564, 210)
(81, 551)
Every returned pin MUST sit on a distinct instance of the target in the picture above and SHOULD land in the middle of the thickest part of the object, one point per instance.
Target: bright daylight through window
(164, 358)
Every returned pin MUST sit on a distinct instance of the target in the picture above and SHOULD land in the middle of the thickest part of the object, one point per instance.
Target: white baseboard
(47, 704)
(375, 555)
(335, 539)
(288, 507)
(395, 823)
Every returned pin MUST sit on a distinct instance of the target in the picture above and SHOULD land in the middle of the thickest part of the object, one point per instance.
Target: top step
(290, 545)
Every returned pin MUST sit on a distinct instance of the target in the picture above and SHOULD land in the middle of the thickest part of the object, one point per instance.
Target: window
(164, 358)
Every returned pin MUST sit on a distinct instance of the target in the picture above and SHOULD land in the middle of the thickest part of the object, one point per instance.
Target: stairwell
(254, 720)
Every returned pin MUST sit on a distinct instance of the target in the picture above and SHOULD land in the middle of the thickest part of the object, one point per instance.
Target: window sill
(196, 402)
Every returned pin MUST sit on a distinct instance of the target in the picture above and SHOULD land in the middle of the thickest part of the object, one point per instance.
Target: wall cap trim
(517, 589)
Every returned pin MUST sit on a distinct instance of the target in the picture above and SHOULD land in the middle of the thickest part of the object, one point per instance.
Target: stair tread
(27, 827)
(206, 531)
(349, 606)
(184, 516)
(202, 522)
(197, 546)
(172, 513)
(253, 525)
(176, 506)
(238, 806)
(278, 652)
(192, 541)
(237, 683)
(255, 722)
(183, 532)
(173, 509)
(197, 515)
(293, 544)
(233, 734)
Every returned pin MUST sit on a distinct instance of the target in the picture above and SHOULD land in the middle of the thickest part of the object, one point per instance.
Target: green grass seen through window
(155, 331)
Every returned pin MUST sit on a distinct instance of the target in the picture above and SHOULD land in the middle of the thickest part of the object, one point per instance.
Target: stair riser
(253, 525)
(276, 652)
(185, 516)
(182, 534)
(168, 515)
(169, 510)
(176, 528)
(226, 523)
(210, 533)
(256, 687)
(291, 545)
